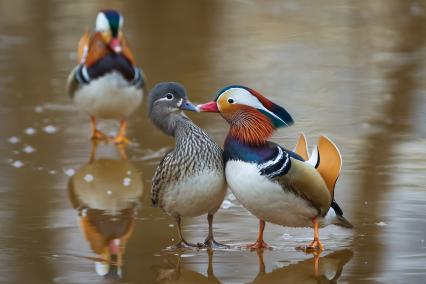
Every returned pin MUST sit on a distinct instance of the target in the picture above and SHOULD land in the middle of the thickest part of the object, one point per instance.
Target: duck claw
(211, 243)
(314, 246)
(259, 245)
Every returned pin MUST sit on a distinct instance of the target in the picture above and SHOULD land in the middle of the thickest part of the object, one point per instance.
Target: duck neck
(169, 122)
(253, 130)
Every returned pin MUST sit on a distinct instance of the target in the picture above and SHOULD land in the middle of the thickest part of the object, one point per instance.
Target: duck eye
(169, 96)
(231, 100)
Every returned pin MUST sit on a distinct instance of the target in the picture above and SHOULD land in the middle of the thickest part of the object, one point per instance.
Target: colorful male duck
(190, 180)
(275, 184)
(106, 83)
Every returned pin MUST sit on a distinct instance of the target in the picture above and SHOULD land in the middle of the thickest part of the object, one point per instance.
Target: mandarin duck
(107, 193)
(275, 184)
(190, 180)
(106, 83)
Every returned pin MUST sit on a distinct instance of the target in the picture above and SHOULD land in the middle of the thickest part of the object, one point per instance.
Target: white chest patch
(196, 195)
(109, 97)
(266, 199)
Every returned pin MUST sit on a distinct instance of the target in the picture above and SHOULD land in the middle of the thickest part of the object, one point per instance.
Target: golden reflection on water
(352, 70)
(106, 194)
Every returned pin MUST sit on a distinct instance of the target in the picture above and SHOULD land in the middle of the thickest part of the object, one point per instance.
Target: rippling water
(353, 70)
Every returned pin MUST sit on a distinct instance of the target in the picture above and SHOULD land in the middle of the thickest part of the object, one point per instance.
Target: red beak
(208, 107)
(115, 45)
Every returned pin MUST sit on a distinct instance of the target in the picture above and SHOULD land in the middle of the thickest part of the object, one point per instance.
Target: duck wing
(297, 176)
(162, 176)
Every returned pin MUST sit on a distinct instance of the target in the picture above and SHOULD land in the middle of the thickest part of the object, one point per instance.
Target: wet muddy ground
(353, 70)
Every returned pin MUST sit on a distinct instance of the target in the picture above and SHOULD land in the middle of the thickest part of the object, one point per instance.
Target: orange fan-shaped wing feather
(302, 147)
(83, 47)
(330, 162)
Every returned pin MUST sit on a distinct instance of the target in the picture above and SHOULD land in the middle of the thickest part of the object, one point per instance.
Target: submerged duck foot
(182, 245)
(314, 246)
(98, 136)
(211, 243)
(259, 244)
(121, 140)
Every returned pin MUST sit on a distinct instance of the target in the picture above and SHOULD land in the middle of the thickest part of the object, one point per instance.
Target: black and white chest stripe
(278, 165)
(83, 77)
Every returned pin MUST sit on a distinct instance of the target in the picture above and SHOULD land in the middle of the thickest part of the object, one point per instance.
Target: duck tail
(335, 216)
(301, 147)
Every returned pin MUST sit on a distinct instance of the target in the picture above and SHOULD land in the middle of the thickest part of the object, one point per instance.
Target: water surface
(353, 70)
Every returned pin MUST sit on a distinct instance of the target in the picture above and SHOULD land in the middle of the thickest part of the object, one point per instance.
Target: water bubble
(38, 109)
(88, 178)
(50, 129)
(28, 149)
(69, 172)
(171, 225)
(14, 140)
(30, 131)
(53, 172)
(109, 192)
(17, 164)
(127, 181)
(381, 224)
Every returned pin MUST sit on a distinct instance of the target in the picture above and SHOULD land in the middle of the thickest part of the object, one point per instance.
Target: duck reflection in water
(326, 269)
(106, 194)
(171, 271)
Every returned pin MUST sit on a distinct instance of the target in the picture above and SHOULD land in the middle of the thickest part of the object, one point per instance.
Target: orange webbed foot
(98, 136)
(314, 246)
(259, 244)
(121, 139)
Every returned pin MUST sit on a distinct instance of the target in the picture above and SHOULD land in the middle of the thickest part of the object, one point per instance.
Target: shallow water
(352, 70)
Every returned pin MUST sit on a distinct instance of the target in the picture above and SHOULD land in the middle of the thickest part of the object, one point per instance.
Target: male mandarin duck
(106, 83)
(106, 193)
(275, 184)
(190, 179)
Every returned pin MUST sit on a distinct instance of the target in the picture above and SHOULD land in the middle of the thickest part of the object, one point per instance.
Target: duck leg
(210, 241)
(121, 137)
(316, 244)
(97, 135)
(182, 242)
(260, 243)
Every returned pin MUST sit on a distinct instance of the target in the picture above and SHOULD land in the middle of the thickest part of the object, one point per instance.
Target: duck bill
(208, 107)
(115, 45)
(187, 105)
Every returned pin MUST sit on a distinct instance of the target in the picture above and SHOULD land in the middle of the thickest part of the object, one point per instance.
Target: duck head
(166, 102)
(109, 24)
(252, 117)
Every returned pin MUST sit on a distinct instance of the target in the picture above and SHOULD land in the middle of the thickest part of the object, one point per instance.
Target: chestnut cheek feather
(249, 125)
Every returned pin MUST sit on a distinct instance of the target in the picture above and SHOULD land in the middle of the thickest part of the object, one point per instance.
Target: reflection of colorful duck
(173, 273)
(106, 193)
(326, 269)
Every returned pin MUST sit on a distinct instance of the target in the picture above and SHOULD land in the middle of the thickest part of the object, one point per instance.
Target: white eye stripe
(244, 97)
(102, 23)
(121, 23)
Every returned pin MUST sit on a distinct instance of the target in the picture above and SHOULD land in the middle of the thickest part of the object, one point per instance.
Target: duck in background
(106, 193)
(275, 184)
(190, 180)
(106, 83)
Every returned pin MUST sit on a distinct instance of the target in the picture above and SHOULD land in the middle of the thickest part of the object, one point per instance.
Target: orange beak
(115, 45)
(208, 107)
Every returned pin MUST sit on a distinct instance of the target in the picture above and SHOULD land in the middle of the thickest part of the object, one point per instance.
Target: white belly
(109, 97)
(195, 196)
(265, 199)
